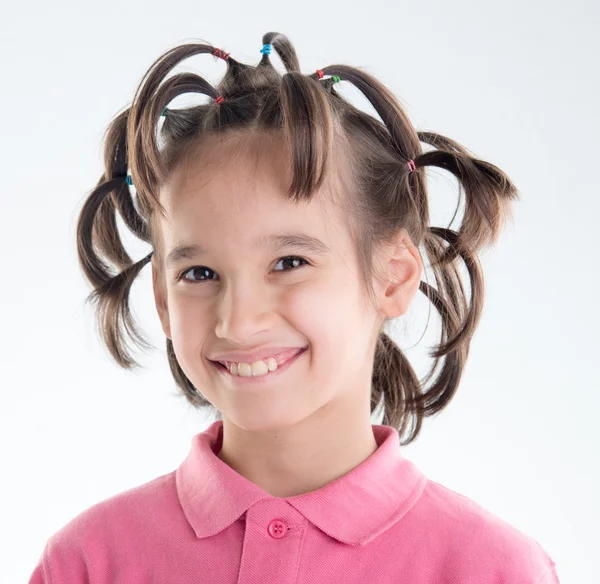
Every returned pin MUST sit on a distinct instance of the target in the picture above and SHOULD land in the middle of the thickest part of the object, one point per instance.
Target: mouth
(259, 378)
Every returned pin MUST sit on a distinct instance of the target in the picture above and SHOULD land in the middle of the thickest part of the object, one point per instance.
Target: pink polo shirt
(382, 522)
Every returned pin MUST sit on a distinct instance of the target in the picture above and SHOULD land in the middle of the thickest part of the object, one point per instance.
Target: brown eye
(198, 271)
(294, 263)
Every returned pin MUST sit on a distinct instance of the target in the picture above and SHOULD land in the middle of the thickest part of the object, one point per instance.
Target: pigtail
(99, 245)
(283, 47)
(488, 191)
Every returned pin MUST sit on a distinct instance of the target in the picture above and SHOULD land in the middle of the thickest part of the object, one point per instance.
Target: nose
(244, 310)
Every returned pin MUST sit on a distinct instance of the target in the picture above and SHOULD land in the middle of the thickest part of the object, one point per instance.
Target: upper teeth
(255, 369)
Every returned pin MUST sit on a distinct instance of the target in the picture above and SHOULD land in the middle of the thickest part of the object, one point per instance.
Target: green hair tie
(164, 112)
(335, 78)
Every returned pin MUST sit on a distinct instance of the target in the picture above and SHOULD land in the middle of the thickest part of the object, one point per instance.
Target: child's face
(240, 297)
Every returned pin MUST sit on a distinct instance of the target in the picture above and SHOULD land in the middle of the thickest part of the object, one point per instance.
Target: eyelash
(181, 276)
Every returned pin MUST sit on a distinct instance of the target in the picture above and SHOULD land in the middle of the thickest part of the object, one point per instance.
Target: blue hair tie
(164, 112)
(128, 179)
(266, 50)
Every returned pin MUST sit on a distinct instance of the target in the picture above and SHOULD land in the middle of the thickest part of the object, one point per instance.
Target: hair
(383, 197)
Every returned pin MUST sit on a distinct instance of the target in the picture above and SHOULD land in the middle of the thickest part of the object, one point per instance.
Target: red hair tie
(221, 54)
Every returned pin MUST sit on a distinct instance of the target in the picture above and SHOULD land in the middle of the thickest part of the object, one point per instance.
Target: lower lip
(259, 378)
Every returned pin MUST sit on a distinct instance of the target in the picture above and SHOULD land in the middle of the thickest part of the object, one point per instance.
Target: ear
(160, 299)
(404, 268)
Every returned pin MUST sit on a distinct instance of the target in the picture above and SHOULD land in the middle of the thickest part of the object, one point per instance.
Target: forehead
(233, 168)
(235, 191)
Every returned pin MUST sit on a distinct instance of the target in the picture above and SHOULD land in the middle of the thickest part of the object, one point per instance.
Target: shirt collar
(353, 509)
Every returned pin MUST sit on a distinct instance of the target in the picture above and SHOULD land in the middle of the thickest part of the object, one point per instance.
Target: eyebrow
(277, 242)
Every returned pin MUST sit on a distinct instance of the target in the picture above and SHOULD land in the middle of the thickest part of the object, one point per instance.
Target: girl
(286, 228)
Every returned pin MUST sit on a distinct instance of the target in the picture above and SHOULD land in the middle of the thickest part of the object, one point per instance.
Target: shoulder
(482, 544)
(108, 527)
(121, 511)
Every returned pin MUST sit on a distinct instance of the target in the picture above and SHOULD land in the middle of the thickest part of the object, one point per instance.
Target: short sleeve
(550, 576)
(38, 575)
(63, 561)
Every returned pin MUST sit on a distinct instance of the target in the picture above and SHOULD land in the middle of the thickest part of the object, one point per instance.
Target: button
(278, 528)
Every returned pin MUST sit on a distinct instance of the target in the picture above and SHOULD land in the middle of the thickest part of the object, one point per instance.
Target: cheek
(188, 327)
(322, 311)
(312, 317)
(332, 323)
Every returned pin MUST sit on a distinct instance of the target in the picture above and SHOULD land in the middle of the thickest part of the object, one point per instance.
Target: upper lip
(256, 355)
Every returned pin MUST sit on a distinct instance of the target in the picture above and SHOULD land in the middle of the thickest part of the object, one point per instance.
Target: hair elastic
(221, 54)
(266, 50)
(411, 165)
(335, 78)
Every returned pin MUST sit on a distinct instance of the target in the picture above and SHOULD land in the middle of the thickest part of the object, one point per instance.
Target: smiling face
(241, 291)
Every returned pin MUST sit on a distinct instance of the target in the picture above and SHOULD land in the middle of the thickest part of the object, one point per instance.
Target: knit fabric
(382, 522)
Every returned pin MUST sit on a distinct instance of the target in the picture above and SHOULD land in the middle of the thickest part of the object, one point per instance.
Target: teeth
(255, 369)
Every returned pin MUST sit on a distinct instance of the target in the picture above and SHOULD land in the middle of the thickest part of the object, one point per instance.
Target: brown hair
(385, 197)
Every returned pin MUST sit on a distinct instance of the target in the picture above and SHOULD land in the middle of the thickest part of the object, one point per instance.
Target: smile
(270, 373)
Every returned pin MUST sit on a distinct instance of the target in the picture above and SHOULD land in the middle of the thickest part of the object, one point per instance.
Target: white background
(515, 82)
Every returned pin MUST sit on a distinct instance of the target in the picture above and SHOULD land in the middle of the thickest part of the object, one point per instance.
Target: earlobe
(160, 300)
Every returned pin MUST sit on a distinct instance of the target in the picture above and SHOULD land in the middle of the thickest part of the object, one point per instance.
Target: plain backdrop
(515, 82)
